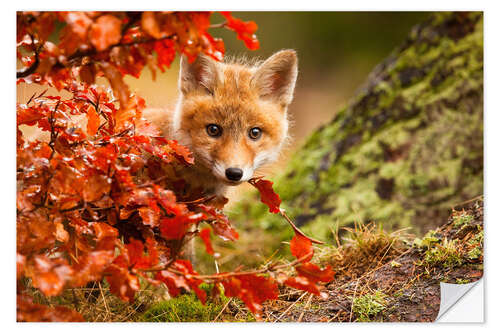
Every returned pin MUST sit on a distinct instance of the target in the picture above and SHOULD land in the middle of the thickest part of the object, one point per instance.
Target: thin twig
(218, 25)
(297, 230)
(104, 300)
(290, 307)
(305, 307)
(352, 303)
(221, 311)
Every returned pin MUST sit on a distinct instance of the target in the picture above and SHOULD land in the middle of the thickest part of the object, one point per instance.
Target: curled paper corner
(469, 309)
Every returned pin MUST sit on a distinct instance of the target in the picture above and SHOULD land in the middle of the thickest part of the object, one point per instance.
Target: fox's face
(234, 116)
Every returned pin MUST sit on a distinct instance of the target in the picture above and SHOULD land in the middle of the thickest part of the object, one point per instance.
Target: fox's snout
(233, 171)
(234, 174)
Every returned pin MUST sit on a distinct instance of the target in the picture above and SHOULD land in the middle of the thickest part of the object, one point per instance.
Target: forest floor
(386, 276)
(380, 276)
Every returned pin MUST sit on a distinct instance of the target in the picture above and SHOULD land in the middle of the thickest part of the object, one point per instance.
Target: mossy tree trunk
(405, 150)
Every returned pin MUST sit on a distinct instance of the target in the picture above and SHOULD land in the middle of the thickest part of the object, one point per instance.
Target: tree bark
(407, 147)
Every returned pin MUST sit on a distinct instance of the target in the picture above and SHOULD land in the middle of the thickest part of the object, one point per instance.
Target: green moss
(446, 255)
(427, 241)
(478, 238)
(184, 308)
(475, 253)
(461, 219)
(367, 306)
(395, 264)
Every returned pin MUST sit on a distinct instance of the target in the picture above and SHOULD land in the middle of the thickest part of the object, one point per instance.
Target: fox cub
(232, 116)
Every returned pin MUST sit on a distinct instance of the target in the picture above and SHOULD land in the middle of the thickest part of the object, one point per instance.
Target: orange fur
(236, 97)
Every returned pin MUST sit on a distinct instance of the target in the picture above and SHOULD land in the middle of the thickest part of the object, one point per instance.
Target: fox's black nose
(234, 173)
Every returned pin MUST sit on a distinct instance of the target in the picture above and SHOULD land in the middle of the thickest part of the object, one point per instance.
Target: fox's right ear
(203, 74)
(275, 78)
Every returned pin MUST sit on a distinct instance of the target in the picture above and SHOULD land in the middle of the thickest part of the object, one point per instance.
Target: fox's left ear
(203, 74)
(275, 78)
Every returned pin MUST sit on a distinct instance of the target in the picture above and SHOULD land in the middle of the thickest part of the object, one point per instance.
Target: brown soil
(409, 281)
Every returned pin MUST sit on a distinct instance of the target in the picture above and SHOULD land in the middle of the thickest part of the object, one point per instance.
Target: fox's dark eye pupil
(214, 130)
(255, 133)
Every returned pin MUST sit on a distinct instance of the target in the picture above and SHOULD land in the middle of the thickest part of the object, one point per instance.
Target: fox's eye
(255, 133)
(214, 130)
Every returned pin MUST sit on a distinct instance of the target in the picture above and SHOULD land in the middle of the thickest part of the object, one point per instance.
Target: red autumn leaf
(181, 152)
(214, 47)
(225, 231)
(150, 25)
(252, 289)
(135, 249)
(205, 236)
(314, 273)
(187, 269)
(267, 194)
(79, 22)
(95, 187)
(90, 267)
(302, 283)
(61, 234)
(27, 311)
(149, 216)
(124, 178)
(20, 263)
(177, 226)
(92, 121)
(146, 128)
(122, 283)
(165, 52)
(106, 236)
(262, 288)
(50, 276)
(245, 30)
(105, 31)
(153, 255)
(301, 247)
(137, 259)
(173, 282)
(173, 228)
(221, 225)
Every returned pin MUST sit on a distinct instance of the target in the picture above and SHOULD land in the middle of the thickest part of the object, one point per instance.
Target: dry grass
(363, 248)
(97, 304)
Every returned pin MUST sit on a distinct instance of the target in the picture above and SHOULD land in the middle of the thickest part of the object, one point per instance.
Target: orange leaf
(205, 236)
(221, 227)
(245, 30)
(105, 31)
(27, 311)
(267, 194)
(93, 121)
(150, 25)
(302, 283)
(50, 276)
(301, 247)
(252, 289)
(121, 282)
(314, 273)
(90, 267)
